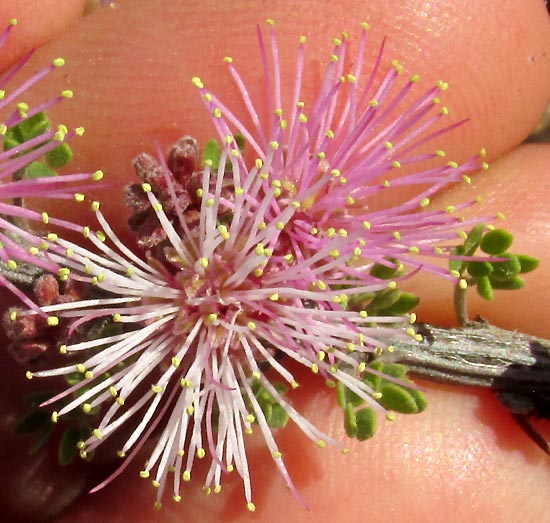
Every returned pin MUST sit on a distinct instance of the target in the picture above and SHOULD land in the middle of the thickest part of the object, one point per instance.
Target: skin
(464, 457)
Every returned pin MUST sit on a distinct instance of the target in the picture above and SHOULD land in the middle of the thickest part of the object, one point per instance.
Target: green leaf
(74, 377)
(34, 420)
(366, 423)
(395, 370)
(505, 270)
(508, 285)
(473, 239)
(278, 417)
(341, 394)
(372, 380)
(527, 263)
(59, 156)
(211, 152)
(454, 264)
(496, 242)
(38, 170)
(479, 268)
(346, 397)
(350, 421)
(397, 398)
(385, 272)
(383, 300)
(404, 304)
(352, 398)
(484, 288)
(26, 130)
(241, 142)
(67, 446)
(420, 400)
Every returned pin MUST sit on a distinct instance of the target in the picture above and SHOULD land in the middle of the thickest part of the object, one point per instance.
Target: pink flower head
(261, 277)
(17, 242)
(202, 322)
(335, 157)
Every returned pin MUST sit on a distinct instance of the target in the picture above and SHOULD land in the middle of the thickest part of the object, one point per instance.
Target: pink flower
(201, 322)
(334, 158)
(261, 276)
(18, 242)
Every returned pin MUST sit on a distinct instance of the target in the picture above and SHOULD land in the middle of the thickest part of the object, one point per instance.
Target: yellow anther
(53, 321)
(397, 66)
(97, 176)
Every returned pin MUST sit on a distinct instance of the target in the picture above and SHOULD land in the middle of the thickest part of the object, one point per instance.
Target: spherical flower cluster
(336, 157)
(178, 342)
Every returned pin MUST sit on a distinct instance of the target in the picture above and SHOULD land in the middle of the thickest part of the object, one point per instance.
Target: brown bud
(25, 352)
(183, 158)
(46, 289)
(149, 170)
(21, 326)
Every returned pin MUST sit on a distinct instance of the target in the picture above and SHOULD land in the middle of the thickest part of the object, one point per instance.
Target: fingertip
(38, 23)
